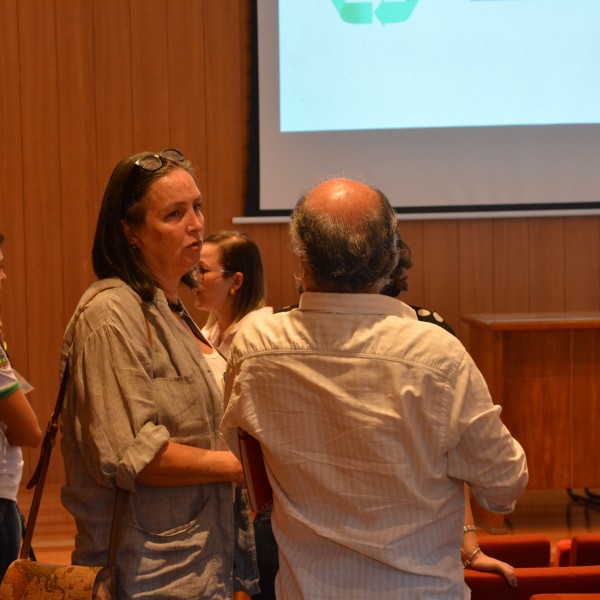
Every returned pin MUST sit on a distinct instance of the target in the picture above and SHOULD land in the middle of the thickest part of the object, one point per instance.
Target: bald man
(370, 420)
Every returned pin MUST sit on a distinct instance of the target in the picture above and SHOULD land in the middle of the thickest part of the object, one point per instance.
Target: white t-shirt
(11, 458)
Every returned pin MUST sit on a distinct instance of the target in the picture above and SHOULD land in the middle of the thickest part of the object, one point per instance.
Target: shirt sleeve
(8, 378)
(115, 412)
(482, 451)
(229, 422)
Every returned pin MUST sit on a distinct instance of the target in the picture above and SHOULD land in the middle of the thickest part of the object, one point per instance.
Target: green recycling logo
(387, 11)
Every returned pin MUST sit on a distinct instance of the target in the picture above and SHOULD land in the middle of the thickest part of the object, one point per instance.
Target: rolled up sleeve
(484, 454)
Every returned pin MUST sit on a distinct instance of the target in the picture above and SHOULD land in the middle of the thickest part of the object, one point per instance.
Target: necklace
(177, 307)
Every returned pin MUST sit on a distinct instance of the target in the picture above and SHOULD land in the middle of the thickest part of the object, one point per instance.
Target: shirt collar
(374, 304)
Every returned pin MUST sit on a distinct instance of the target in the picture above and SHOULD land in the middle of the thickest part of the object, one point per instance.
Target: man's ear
(130, 233)
(304, 277)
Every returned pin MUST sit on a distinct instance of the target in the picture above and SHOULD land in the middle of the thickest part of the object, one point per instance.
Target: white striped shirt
(370, 421)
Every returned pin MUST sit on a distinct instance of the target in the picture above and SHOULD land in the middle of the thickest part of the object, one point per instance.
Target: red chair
(585, 549)
(530, 555)
(534, 580)
(522, 550)
(581, 550)
(565, 597)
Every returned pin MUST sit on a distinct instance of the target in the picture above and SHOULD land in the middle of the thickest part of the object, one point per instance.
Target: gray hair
(343, 257)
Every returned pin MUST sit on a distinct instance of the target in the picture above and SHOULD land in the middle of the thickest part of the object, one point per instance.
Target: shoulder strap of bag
(39, 479)
(39, 476)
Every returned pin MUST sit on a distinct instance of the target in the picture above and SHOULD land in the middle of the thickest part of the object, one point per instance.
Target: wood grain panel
(536, 401)
(267, 238)
(186, 82)
(76, 115)
(13, 298)
(475, 255)
(41, 200)
(225, 22)
(585, 401)
(149, 74)
(114, 137)
(546, 264)
(440, 259)
(582, 258)
(511, 266)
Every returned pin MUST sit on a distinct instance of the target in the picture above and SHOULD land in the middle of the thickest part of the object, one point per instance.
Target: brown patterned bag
(28, 579)
(31, 579)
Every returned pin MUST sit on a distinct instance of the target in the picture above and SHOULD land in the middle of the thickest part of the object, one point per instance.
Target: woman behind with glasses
(143, 404)
(231, 286)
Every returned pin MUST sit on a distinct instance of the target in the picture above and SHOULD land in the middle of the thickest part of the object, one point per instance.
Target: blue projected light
(388, 64)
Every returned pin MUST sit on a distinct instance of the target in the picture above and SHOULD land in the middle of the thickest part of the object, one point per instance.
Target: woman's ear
(237, 281)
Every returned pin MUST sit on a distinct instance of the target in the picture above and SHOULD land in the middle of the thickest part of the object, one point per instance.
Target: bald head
(344, 233)
(344, 199)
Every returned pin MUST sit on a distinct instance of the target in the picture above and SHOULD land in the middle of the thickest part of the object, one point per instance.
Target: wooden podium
(544, 370)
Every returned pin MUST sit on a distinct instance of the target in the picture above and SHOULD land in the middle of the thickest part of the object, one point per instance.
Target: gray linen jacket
(137, 379)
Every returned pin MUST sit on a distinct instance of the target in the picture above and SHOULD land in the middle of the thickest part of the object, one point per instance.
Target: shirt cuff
(150, 439)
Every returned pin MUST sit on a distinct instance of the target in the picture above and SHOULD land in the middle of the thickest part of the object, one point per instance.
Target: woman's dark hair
(398, 277)
(240, 253)
(124, 202)
(1, 237)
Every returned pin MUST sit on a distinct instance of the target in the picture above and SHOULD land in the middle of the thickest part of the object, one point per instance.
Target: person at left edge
(143, 405)
(18, 427)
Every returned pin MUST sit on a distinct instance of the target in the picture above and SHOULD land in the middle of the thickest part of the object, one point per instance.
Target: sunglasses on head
(153, 162)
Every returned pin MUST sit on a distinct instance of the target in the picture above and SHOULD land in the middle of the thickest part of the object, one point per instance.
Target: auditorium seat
(565, 597)
(530, 555)
(519, 550)
(534, 580)
(582, 549)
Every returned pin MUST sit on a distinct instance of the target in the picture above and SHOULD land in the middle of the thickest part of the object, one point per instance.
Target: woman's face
(214, 291)
(170, 239)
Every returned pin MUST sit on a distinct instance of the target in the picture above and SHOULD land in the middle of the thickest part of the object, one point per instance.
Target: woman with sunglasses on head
(143, 403)
(231, 286)
(18, 427)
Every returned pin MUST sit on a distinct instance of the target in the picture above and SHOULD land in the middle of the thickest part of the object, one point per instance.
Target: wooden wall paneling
(113, 93)
(267, 238)
(582, 263)
(76, 148)
(534, 367)
(585, 402)
(546, 264)
(187, 90)
(440, 262)
(511, 265)
(226, 111)
(475, 271)
(42, 201)
(149, 74)
(13, 297)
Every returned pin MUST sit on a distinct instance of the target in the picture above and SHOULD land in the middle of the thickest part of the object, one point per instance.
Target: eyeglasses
(202, 271)
(153, 162)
